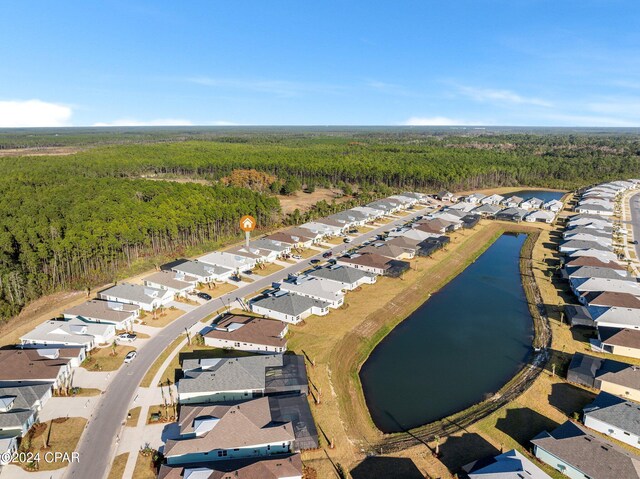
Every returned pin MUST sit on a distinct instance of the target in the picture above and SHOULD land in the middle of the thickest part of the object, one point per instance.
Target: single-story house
(372, 214)
(348, 278)
(553, 205)
(278, 247)
(487, 210)
(417, 234)
(389, 250)
(540, 216)
(389, 206)
(587, 230)
(614, 417)
(621, 342)
(594, 253)
(323, 290)
(607, 375)
(235, 262)
(239, 379)
(513, 202)
(278, 467)
(76, 332)
(176, 283)
(571, 246)
(511, 214)
(254, 253)
(596, 201)
(450, 218)
(145, 297)
(475, 198)
(494, 199)
(19, 407)
(579, 454)
(444, 195)
(203, 272)
(292, 239)
(437, 225)
(460, 208)
(592, 220)
(404, 242)
(323, 229)
(248, 333)
(374, 263)
(407, 199)
(305, 233)
(599, 272)
(532, 203)
(226, 432)
(579, 286)
(290, 308)
(605, 241)
(614, 317)
(595, 209)
(611, 299)
(28, 366)
(119, 314)
(509, 465)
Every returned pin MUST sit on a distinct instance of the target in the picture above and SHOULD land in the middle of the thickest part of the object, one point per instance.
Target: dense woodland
(75, 221)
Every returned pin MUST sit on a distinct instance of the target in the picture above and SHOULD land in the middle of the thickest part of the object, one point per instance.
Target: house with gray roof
(600, 232)
(615, 417)
(315, 288)
(144, 296)
(540, 216)
(511, 213)
(607, 375)
(532, 203)
(603, 240)
(571, 246)
(173, 281)
(586, 285)
(494, 199)
(278, 247)
(287, 466)
(513, 202)
(599, 272)
(595, 209)
(239, 379)
(19, 407)
(76, 332)
(348, 278)
(509, 465)
(288, 307)
(203, 272)
(487, 210)
(119, 314)
(579, 454)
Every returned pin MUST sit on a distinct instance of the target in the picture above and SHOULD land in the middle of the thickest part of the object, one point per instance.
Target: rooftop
(249, 329)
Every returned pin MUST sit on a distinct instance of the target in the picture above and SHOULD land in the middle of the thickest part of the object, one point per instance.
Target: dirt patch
(40, 151)
(304, 201)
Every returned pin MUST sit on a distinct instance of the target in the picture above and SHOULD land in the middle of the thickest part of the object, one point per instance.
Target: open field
(58, 435)
(118, 466)
(304, 201)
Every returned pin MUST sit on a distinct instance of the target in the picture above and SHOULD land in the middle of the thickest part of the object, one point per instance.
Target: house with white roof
(601, 255)
(475, 198)
(235, 262)
(595, 209)
(144, 296)
(119, 314)
(540, 216)
(509, 465)
(280, 248)
(347, 278)
(324, 290)
(290, 308)
(203, 272)
(492, 199)
(75, 332)
(255, 253)
(176, 283)
(553, 205)
(371, 213)
(531, 203)
(585, 285)
(596, 238)
(323, 229)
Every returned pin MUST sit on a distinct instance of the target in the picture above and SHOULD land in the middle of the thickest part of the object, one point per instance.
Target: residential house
(513, 202)
(579, 454)
(305, 233)
(176, 283)
(511, 214)
(226, 432)
(254, 254)
(532, 203)
(19, 407)
(431, 245)
(595, 209)
(509, 465)
(277, 467)
(280, 248)
(385, 248)
(553, 205)
(294, 240)
(372, 214)
(415, 234)
(28, 367)
(594, 253)
(143, 296)
(239, 379)
(487, 210)
(627, 318)
(290, 308)
(621, 342)
(605, 241)
(541, 216)
(611, 299)
(436, 225)
(248, 333)
(603, 233)
(323, 229)
(579, 286)
(348, 278)
(600, 272)
(229, 260)
(375, 263)
(607, 375)
(76, 332)
(204, 273)
(492, 200)
(119, 314)
(328, 292)
(450, 218)
(389, 206)
(475, 198)
(445, 195)
(571, 246)
(404, 242)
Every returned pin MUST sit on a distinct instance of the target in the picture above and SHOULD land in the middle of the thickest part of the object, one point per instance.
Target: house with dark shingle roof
(607, 375)
(511, 214)
(577, 453)
(19, 407)
(615, 417)
(247, 333)
(288, 466)
(119, 314)
(621, 342)
(288, 307)
(216, 380)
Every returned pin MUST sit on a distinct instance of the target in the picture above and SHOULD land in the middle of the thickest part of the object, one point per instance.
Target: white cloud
(433, 121)
(501, 96)
(223, 123)
(33, 113)
(157, 122)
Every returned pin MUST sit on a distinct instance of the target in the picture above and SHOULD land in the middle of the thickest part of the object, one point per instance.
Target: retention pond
(460, 347)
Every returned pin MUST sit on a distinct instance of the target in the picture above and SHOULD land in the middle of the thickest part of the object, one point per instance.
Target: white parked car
(131, 355)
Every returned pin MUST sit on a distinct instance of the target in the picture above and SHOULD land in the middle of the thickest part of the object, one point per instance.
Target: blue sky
(489, 62)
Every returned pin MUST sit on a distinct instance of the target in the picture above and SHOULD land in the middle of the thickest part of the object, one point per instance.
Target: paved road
(98, 442)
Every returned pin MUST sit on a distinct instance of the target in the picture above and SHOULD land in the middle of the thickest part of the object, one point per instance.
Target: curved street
(97, 445)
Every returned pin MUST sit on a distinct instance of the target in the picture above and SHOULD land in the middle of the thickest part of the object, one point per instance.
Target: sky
(214, 62)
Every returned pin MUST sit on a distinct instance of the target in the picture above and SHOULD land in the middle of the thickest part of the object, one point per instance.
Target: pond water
(543, 195)
(459, 347)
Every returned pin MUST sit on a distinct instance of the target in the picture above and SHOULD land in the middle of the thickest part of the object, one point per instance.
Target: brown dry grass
(155, 367)
(103, 359)
(144, 468)
(304, 201)
(118, 466)
(163, 318)
(220, 289)
(267, 269)
(62, 435)
(133, 416)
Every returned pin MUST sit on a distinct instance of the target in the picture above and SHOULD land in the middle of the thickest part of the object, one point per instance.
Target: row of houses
(513, 201)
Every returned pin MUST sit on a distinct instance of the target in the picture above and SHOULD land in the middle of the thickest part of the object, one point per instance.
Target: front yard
(161, 318)
(107, 358)
(59, 435)
(267, 269)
